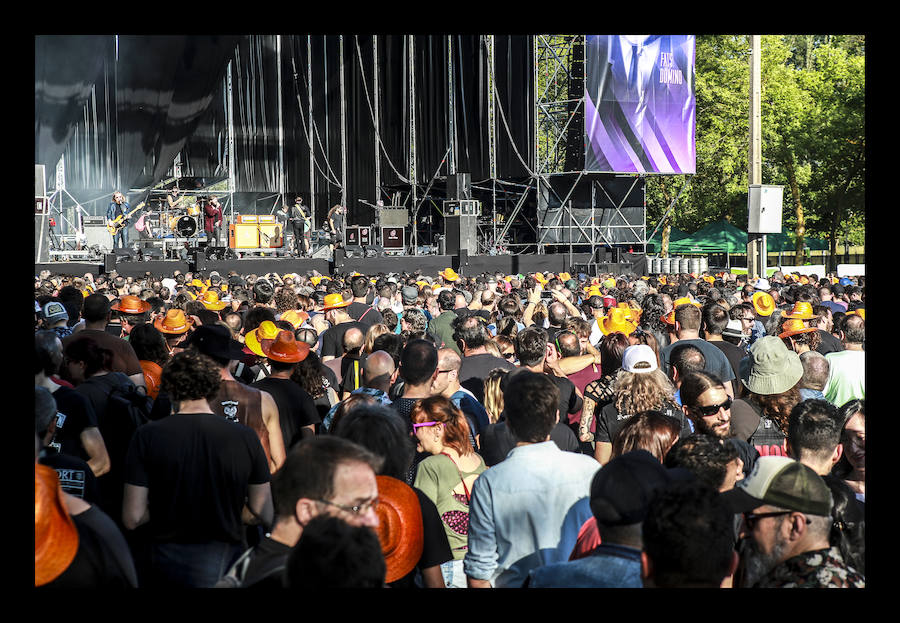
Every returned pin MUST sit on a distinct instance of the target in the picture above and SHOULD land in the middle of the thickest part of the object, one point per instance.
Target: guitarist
(301, 225)
(118, 207)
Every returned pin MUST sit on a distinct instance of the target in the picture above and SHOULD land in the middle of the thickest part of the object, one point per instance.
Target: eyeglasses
(421, 424)
(710, 410)
(359, 509)
(751, 518)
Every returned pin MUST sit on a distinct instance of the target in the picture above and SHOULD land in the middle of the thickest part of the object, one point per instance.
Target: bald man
(352, 361)
(815, 375)
(378, 373)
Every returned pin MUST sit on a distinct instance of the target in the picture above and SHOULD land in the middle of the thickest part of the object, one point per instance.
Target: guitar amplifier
(393, 238)
(394, 217)
(243, 236)
(266, 218)
(246, 218)
(270, 234)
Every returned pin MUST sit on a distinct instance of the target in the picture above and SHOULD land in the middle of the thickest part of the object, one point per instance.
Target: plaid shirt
(824, 568)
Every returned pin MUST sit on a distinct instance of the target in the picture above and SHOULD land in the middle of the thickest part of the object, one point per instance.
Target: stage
(466, 265)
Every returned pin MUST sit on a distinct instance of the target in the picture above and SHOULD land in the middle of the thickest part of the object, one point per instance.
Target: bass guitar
(120, 221)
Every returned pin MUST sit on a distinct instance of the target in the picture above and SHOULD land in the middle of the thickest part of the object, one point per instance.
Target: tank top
(240, 403)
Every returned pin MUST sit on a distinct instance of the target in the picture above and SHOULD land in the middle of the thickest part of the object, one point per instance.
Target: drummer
(174, 198)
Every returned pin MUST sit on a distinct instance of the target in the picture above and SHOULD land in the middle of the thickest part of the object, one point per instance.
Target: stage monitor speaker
(199, 261)
(459, 186)
(109, 262)
(354, 250)
(461, 232)
(339, 257)
(322, 253)
(764, 204)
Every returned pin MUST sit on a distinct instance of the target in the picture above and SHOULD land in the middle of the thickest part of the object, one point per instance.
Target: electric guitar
(120, 221)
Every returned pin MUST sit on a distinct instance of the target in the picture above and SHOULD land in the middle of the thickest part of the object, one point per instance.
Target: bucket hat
(772, 369)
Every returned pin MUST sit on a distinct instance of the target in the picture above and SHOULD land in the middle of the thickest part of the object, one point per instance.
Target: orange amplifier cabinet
(267, 218)
(270, 235)
(245, 218)
(243, 236)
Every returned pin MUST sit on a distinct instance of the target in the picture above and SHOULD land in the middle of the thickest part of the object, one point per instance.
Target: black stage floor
(428, 264)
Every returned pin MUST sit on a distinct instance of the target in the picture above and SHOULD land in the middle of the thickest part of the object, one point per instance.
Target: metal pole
(377, 123)
(309, 134)
(452, 129)
(343, 130)
(756, 250)
(412, 136)
(281, 188)
(231, 183)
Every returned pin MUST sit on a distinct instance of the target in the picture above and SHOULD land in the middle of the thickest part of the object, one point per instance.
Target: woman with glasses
(507, 347)
(446, 477)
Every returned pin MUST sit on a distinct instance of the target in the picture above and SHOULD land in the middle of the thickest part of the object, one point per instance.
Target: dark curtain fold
(513, 70)
(360, 128)
(296, 117)
(432, 107)
(393, 86)
(66, 67)
(471, 106)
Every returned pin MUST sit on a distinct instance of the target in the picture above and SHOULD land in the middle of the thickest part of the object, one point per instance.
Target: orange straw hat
(631, 314)
(173, 323)
(793, 326)
(55, 534)
(152, 377)
(763, 303)
(669, 318)
(801, 310)
(861, 312)
(210, 300)
(130, 304)
(285, 348)
(449, 274)
(295, 317)
(400, 529)
(335, 301)
(615, 321)
(265, 331)
(684, 300)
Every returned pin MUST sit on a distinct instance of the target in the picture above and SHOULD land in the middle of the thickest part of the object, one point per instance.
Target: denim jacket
(526, 511)
(608, 566)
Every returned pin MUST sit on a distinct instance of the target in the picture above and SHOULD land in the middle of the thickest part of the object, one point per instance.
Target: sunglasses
(510, 355)
(713, 409)
(752, 518)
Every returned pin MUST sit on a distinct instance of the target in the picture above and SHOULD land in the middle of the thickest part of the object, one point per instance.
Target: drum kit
(176, 221)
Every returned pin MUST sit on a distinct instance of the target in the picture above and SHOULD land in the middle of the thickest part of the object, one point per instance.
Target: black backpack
(129, 404)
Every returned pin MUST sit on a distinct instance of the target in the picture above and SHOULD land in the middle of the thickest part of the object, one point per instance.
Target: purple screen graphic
(640, 104)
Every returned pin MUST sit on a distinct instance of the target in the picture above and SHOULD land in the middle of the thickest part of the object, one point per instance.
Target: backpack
(128, 403)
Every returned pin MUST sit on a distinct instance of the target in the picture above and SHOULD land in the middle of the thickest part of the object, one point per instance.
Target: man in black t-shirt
(297, 411)
(532, 350)
(470, 334)
(198, 472)
(333, 338)
(359, 310)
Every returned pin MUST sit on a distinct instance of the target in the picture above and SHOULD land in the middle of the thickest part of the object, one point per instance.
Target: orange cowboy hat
(631, 313)
(129, 304)
(793, 326)
(669, 318)
(709, 279)
(210, 300)
(152, 377)
(801, 310)
(55, 534)
(763, 303)
(173, 323)
(861, 312)
(295, 317)
(449, 274)
(335, 301)
(539, 277)
(685, 301)
(616, 321)
(266, 331)
(400, 529)
(285, 348)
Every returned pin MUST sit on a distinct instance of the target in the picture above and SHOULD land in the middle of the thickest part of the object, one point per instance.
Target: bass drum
(186, 226)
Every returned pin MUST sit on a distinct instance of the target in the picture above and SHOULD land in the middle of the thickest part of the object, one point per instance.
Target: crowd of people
(461, 431)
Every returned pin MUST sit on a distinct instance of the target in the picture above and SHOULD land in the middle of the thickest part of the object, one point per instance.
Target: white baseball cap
(639, 359)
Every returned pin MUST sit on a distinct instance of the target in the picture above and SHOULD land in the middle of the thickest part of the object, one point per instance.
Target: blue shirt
(526, 511)
(608, 566)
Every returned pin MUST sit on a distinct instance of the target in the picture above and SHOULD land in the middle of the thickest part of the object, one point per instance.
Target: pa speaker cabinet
(109, 262)
(461, 232)
(243, 236)
(764, 204)
(41, 238)
(393, 238)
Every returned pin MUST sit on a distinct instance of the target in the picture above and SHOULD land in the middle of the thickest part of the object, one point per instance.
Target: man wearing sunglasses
(786, 509)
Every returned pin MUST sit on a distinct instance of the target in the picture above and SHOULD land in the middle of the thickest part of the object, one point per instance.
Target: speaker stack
(460, 216)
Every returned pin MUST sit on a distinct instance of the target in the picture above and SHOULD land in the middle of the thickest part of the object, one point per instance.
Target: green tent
(787, 241)
(654, 245)
(718, 237)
